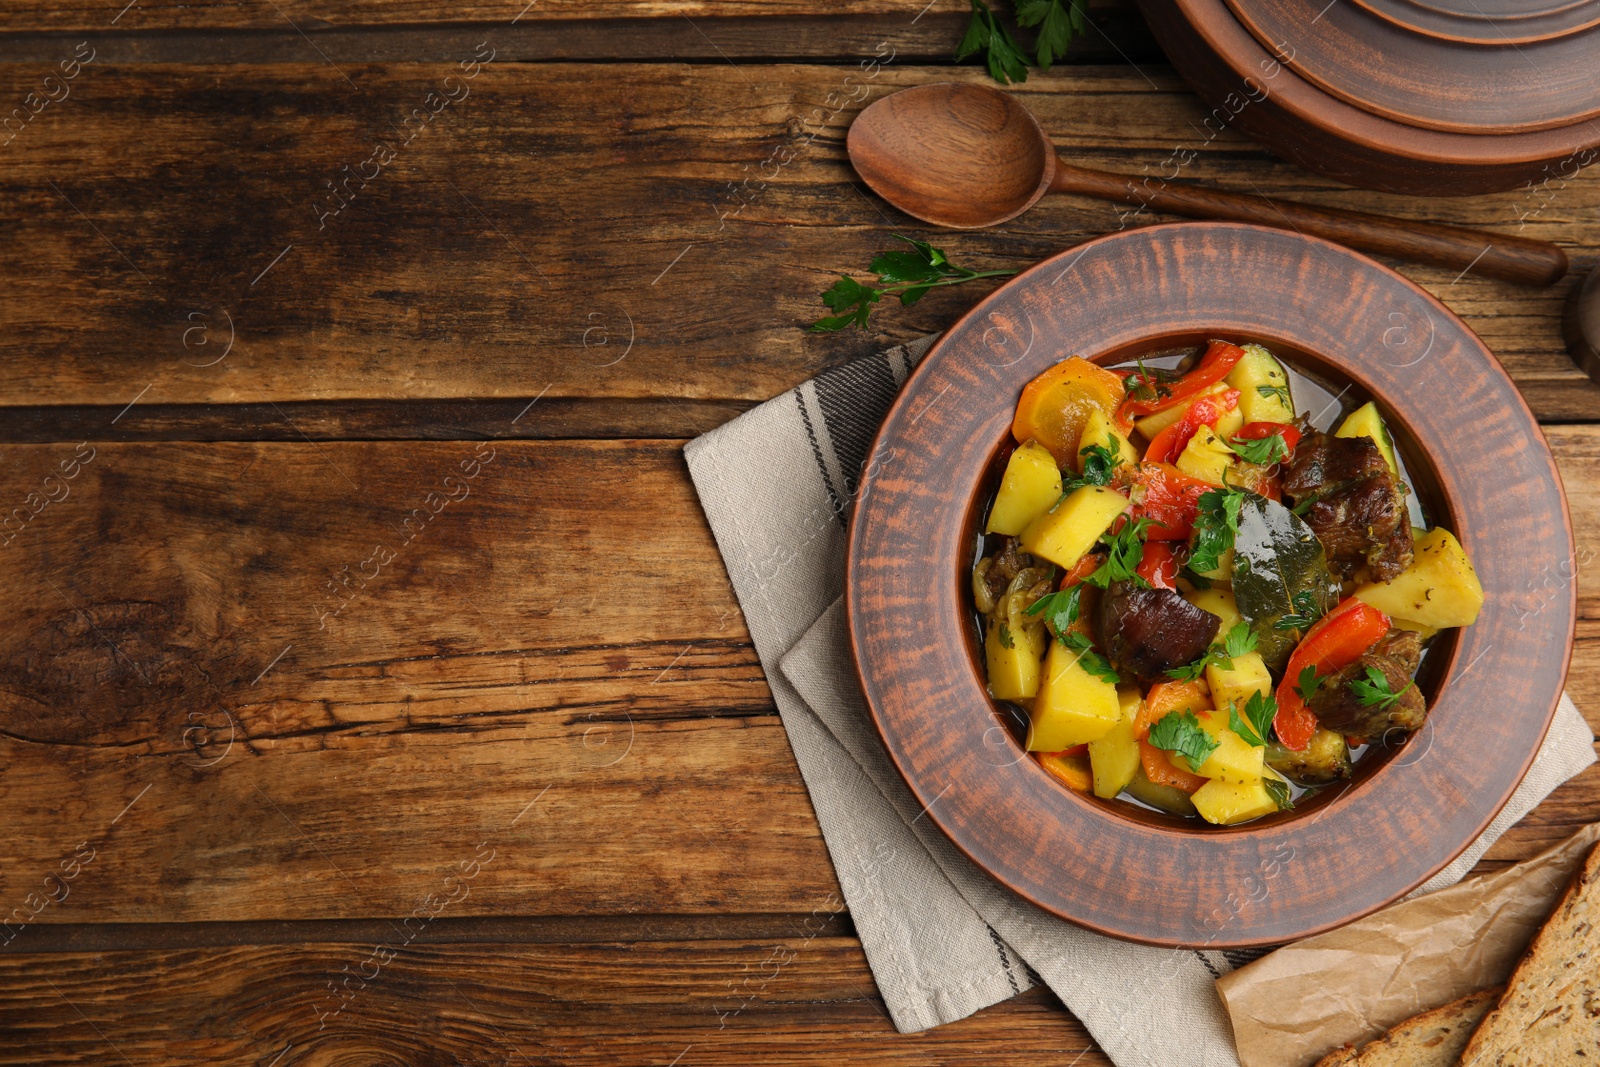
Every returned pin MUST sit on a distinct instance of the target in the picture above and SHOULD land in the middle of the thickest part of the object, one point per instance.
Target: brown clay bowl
(1478, 463)
(1252, 90)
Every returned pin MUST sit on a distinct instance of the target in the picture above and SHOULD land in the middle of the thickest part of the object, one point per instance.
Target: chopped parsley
(1125, 549)
(1239, 641)
(1215, 527)
(1147, 385)
(1180, 732)
(1306, 612)
(1375, 690)
(1098, 463)
(1278, 790)
(1089, 659)
(1307, 684)
(1263, 451)
(1267, 392)
(1006, 640)
(1259, 711)
(1060, 610)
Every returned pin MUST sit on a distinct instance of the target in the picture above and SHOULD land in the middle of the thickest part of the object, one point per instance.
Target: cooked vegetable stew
(1203, 602)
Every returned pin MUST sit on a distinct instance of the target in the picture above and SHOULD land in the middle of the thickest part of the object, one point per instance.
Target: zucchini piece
(1165, 798)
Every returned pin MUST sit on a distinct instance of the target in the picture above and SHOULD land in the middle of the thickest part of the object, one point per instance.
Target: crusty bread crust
(1434, 1038)
(1343, 1056)
(1550, 1013)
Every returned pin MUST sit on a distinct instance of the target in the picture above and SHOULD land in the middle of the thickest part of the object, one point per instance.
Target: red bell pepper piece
(1159, 565)
(1256, 431)
(1219, 359)
(1169, 443)
(1337, 640)
(1167, 497)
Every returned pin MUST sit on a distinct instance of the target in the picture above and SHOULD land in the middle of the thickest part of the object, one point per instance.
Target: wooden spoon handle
(1494, 255)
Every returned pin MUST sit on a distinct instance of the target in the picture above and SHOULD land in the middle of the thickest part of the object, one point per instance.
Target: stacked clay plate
(1431, 97)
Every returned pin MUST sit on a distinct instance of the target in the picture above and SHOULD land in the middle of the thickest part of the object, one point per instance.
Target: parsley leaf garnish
(1125, 550)
(1278, 790)
(1239, 640)
(1259, 711)
(1215, 527)
(1307, 684)
(1060, 610)
(1098, 463)
(1306, 613)
(908, 275)
(1263, 451)
(1375, 691)
(1005, 60)
(1146, 384)
(1180, 732)
(1058, 23)
(1267, 392)
(1006, 640)
(1089, 659)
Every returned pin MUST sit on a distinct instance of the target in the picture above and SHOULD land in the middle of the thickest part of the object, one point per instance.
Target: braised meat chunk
(1147, 632)
(1352, 501)
(1358, 703)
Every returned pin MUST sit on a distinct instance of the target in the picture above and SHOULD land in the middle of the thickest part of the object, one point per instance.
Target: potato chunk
(1226, 803)
(1234, 686)
(1220, 603)
(1365, 421)
(1233, 759)
(1439, 590)
(1014, 671)
(1098, 430)
(1031, 483)
(1263, 387)
(1206, 457)
(1073, 706)
(1114, 757)
(1064, 533)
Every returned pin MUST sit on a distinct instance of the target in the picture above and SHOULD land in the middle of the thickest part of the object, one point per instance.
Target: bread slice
(1550, 1013)
(1434, 1038)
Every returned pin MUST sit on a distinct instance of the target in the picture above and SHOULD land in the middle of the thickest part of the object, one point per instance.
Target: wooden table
(356, 593)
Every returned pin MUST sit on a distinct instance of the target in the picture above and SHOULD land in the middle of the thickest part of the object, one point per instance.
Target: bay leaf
(1277, 558)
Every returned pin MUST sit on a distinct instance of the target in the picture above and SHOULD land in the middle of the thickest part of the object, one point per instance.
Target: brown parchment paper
(1295, 1005)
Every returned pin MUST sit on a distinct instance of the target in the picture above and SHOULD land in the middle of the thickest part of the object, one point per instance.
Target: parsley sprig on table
(1180, 732)
(908, 275)
(1058, 22)
(1375, 690)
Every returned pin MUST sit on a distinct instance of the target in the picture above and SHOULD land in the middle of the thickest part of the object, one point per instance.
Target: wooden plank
(1117, 34)
(313, 16)
(555, 207)
(799, 1000)
(553, 667)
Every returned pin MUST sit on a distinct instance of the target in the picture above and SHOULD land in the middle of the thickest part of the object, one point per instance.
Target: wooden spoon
(970, 156)
(1581, 325)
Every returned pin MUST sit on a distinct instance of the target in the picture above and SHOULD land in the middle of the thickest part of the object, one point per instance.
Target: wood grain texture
(488, 662)
(651, 197)
(1155, 878)
(801, 999)
(552, 664)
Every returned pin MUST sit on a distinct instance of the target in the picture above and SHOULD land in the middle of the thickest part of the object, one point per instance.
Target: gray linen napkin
(943, 940)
